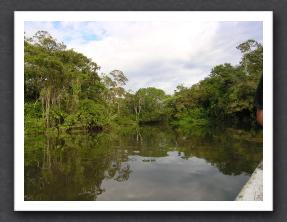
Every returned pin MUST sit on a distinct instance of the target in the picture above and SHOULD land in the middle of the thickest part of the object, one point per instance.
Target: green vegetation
(64, 92)
(226, 94)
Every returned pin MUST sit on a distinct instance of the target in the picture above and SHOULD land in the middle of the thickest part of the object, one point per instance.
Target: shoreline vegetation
(64, 92)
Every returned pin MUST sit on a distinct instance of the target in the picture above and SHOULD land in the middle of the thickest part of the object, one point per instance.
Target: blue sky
(161, 54)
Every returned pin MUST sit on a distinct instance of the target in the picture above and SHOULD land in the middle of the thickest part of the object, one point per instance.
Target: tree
(58, 77)
(119, 80)
(149, 105)
(227, 92)
(252, 56)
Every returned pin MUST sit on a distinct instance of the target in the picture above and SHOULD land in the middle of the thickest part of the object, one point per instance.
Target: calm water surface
(141, 163)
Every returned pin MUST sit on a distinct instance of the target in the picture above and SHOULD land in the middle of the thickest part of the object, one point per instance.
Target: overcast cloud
(155, 54)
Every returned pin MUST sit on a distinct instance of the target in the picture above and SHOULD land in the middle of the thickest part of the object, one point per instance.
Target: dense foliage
(64, 92)
(227, 93)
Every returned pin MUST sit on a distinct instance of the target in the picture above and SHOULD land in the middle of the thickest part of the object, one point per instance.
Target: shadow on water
(199, 163)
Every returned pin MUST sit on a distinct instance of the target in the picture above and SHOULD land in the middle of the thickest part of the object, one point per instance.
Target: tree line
(64, 91)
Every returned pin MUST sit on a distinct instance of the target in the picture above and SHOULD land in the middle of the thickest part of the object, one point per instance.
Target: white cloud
(158, 54)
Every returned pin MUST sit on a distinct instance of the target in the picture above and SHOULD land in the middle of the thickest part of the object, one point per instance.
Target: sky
(161, 54)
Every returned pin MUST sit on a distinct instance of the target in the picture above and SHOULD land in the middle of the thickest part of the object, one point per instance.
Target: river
(143, 163)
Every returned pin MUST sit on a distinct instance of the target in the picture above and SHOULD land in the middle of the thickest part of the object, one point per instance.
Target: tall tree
(150, 104)
(57, 77)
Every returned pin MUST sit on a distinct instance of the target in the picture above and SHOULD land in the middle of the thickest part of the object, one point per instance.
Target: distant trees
(150, 105)
(64, 91)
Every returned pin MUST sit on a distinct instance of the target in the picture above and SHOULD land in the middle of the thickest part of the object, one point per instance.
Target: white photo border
(21, 16)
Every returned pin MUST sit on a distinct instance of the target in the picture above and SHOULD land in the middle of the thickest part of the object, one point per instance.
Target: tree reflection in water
(72, 167)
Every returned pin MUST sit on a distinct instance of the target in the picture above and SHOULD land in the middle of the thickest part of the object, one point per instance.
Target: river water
(144, 163)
